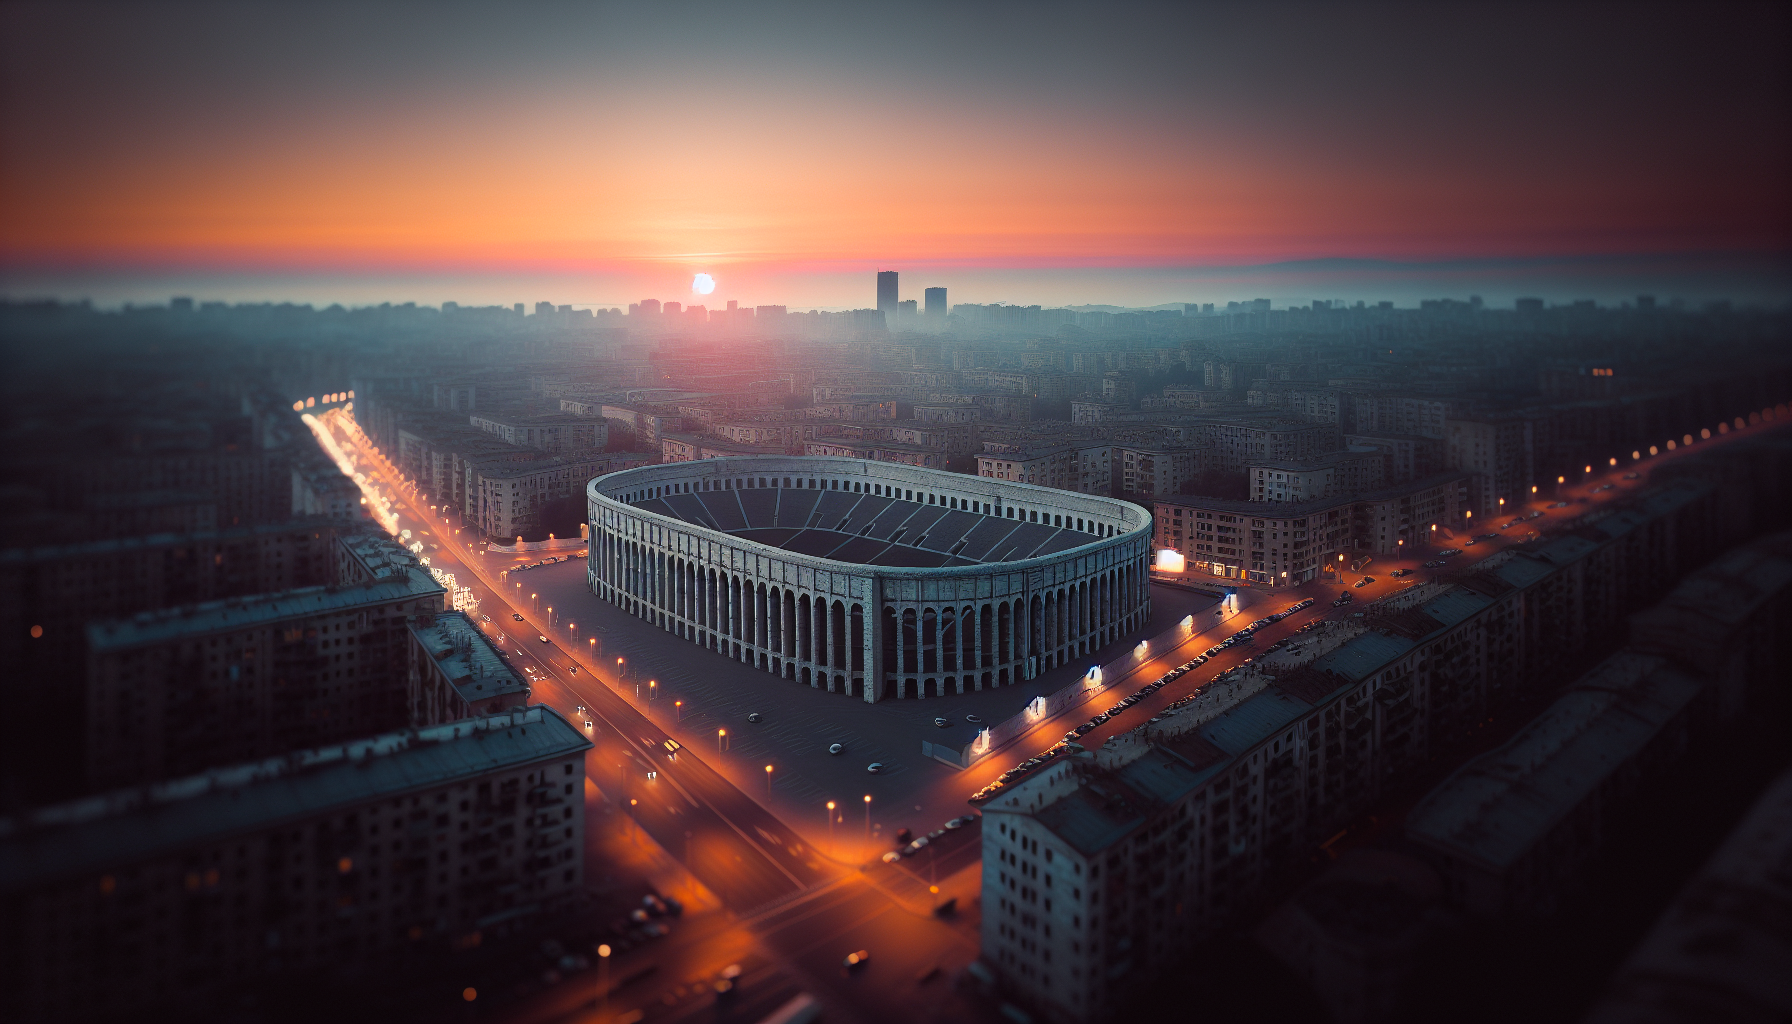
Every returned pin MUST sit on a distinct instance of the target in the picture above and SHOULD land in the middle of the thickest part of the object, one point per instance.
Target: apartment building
(1718, 952)
(1497, 450)
(165, 901)
(1104, 865)
(954, 413)
(456, 672)
(1288, 543)
(1338, 473)
(1147, 472)
(764, 434)
(951, 438)
(1508, 829)
(172, 691)
(560, 433)
(1408, 456)
(506, 497)
(1086, 469)
(1235, 444)
(1382, 412)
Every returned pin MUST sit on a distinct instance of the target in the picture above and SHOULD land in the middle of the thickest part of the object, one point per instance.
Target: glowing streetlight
(603, 980)
(721, 737)
(678, 708)
(653, 688)
(1614, 462)
(830, 824)
(768, 780)
(867, 815)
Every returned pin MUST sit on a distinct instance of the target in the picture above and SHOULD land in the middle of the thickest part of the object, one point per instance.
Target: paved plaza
(798, 722)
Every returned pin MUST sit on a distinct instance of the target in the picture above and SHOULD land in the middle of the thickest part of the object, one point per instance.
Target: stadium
(871, 579)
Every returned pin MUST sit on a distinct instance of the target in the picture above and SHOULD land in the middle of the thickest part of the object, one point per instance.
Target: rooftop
(1498, 806)
(136, 824)
(238, 613)
(467, 659)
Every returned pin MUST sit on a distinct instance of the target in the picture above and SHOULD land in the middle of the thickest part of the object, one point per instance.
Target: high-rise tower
(935, 305)
(886, 293)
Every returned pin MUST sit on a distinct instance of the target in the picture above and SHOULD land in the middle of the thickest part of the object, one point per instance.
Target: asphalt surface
(795, 913)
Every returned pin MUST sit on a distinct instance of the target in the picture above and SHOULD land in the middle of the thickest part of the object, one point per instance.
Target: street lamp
(867, 816)
(678, 709)
(603, 980)
(768, 780)
(830, 825)
(653, 688)
(721, 736)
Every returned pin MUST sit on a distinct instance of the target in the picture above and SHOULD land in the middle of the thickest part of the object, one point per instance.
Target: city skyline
(599, 153)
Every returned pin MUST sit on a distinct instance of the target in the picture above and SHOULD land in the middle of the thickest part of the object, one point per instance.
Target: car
(940, 722)
(1559, 504)
(1471, 542)
(960, 822)
(1398, 573)
(1434, 564)
(1081, 729)
(1633, 476)
(1341, 601)
(892, 857)
(518, 616)
(1448, 552)
(1362, 582)
(754, 717)
(836, 748)
(855, 959)
(543, 639)
(972, 719)
(587, 726)
(1488, 536)
(485, 618)
(875, 767)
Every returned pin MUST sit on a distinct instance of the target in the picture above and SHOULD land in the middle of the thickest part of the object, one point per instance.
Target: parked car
(836, 748)
(753, 716)
(543, 639)
(875, 767)
(518, 616)
(1398, 573)
(941, 722)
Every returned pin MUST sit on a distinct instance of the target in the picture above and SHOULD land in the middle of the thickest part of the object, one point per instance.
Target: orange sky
(612, 147)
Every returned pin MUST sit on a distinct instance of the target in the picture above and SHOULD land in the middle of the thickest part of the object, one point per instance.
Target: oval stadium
(871, 579)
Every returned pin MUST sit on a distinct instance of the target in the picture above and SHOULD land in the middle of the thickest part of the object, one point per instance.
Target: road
(796, 911)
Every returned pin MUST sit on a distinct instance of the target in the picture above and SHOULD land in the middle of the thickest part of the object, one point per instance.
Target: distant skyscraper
(671, 308)
(886, 292)
(936, 302)
(650, 307)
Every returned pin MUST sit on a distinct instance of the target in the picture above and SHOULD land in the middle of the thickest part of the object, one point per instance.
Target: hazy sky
(1025, 152)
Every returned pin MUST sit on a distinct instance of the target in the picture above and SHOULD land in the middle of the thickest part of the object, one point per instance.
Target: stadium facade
(871, 579)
